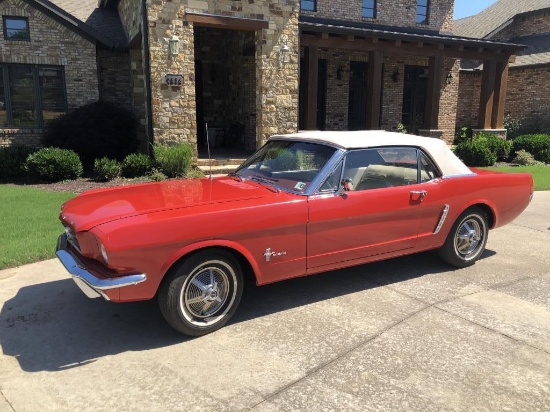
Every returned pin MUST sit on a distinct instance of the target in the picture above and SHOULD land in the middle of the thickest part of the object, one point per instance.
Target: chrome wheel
(467, 238)
(201, 292)
(206, 292)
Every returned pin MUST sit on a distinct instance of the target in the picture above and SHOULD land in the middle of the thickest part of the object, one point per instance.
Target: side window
(427, 169)
(380, 168)
(333, 180)
(308, 5)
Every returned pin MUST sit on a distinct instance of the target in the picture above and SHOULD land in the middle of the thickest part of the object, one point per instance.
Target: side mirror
(345, 186)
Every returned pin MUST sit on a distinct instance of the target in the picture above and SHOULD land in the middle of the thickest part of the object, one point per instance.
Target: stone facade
(51, 43)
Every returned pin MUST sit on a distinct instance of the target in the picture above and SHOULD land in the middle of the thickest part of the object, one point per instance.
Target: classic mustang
(302, 204)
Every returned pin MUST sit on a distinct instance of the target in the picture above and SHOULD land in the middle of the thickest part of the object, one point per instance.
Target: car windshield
(286, 165)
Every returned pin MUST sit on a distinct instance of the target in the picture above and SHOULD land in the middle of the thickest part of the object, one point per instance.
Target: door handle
(418, 195)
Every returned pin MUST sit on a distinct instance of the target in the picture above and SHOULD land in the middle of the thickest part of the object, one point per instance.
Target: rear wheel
(202, 293)
(467, 239)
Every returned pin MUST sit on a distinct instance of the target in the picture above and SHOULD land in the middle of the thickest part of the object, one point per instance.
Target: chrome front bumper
(91, 285)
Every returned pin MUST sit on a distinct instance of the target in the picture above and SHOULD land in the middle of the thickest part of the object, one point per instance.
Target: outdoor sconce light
(173, 45)
(284, 53)
(395, 75)
(449, 78)
(340, 72)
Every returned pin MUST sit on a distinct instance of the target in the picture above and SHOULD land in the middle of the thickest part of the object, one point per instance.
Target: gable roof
(85, 18)
(495, 16)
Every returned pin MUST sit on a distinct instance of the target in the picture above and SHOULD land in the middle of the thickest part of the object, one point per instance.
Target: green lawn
(29, 224)
(541, 174)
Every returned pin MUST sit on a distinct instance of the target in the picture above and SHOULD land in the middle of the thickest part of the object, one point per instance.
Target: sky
(465, 8)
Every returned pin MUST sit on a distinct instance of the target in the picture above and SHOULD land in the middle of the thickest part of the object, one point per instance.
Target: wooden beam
(374, 89)
(224, 22)
(433, 94)
(487, 94)
(311, 60)
(501, 83)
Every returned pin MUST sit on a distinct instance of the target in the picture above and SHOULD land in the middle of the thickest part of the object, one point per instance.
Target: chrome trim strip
(91, 285)
(458, 175)
(442, 219)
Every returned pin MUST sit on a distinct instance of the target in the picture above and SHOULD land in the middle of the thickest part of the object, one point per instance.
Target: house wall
(389, 12)
(174, 107)
(525, 26)
(114, 78)
(51, 44)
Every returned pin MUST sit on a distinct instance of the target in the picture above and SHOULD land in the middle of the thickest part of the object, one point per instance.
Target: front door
(357, 100)
(414, 97)
(381, 213)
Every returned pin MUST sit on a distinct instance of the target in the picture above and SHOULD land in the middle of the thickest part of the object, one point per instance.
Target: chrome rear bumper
(91, 285)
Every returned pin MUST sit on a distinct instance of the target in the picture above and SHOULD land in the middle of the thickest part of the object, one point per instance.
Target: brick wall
(525, 26)
(526, 100)
(51, 44)
(114, 78)
(389, 12)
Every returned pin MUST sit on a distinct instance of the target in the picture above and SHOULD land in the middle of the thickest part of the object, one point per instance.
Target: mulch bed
(79, 185)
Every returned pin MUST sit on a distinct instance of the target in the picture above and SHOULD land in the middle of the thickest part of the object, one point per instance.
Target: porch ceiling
(329, 33)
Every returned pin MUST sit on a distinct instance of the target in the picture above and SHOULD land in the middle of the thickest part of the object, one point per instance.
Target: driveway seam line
(7, 401)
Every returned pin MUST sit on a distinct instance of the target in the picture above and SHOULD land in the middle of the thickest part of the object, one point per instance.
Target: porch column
(374, 90)
(433, 93)
(311, 58)
(501, 83)
(487, 95)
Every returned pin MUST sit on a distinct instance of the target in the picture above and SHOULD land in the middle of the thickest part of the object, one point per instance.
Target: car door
(379, 213)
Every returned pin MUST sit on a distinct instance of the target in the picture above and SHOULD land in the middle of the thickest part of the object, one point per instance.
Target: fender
(186, 250)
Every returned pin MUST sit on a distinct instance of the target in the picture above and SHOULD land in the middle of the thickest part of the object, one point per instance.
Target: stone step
(220, 162)
(218, 169)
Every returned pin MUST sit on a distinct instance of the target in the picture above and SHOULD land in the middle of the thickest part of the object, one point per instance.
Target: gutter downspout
(147, 77)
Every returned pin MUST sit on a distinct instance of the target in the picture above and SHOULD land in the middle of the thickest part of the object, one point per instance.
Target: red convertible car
(302, 204)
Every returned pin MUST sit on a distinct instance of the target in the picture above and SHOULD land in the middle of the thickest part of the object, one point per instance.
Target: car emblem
(269, 254)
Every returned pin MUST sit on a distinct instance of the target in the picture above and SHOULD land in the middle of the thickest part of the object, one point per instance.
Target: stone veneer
(174, 107)
(51, 43)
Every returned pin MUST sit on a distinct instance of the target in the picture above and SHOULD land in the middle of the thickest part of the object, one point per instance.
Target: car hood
(95, 207)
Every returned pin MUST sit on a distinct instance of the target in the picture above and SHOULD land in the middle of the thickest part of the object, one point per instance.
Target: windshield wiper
(235, 176)
(266, 182)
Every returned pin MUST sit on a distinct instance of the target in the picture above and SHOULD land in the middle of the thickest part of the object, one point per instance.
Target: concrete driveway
(403, 335)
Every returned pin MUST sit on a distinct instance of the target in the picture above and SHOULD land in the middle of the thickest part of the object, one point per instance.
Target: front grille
(71, 238)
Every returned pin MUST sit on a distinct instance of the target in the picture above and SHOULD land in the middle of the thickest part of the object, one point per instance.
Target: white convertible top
(447, 161)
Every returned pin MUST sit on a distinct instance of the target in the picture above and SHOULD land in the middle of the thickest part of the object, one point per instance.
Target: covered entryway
(414, 97)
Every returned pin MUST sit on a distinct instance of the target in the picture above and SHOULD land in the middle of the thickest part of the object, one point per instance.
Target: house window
(16, 28)
(31, 95)
(422, 8)
(369, 9)
(308, 5)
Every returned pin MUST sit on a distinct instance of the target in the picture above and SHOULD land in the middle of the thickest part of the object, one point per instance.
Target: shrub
(544, 156)
(107, 169)
(54, 164)
(536, 144)
(462, 134)
(157, 176)
(136, 164)
(93, 131)
(174, 161)
(12, 161)
(476, 152)
(497, 145)
(513, 126)
(524, 158)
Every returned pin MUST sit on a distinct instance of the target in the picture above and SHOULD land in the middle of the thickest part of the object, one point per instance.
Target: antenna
(208, 147)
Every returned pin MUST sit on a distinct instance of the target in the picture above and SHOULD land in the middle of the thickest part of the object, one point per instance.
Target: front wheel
(467, 239)
(202, 293)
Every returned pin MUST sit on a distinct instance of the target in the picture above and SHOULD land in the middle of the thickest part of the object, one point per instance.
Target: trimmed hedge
(536, 144)
(174, 161)
(476, 152)
(54, 164)
(107, 169)
(136, 164)
(94, 131)
(12, 161)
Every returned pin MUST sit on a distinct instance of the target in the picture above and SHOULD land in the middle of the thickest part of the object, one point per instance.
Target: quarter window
(422, 9)
(369, 9)
(31, 95)
(16, 28)
(308, 5)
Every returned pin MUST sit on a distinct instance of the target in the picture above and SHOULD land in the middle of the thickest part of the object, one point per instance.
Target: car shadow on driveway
(52, 326)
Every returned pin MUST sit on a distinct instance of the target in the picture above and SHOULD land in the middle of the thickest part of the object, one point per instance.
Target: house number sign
(173, 79)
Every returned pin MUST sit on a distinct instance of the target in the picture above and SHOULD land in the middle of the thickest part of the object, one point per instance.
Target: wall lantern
(449, 78)
(173, 45)
(395, 75)
(284, 53)
(340, 72)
